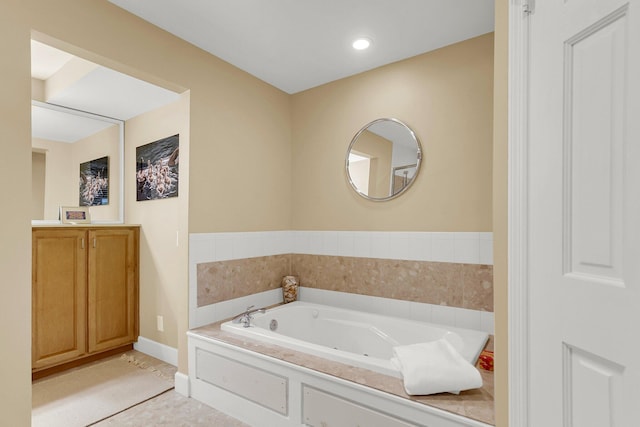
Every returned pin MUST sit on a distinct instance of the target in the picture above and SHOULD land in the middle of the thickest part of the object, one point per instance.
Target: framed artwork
(157, 173)
(94, 182)
(75, 215)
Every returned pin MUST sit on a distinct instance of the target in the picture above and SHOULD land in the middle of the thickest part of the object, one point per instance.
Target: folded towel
(434, 367)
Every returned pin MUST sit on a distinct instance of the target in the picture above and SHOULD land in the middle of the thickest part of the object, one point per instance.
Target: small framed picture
(75, 215)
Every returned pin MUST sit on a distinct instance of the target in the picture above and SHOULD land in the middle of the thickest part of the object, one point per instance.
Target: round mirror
(383, 159)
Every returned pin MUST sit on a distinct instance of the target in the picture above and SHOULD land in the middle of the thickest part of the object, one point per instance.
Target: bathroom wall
(163, 259)
(38, 168)
(60, 182)
(62, 171)
(15, 221)
(446, 97)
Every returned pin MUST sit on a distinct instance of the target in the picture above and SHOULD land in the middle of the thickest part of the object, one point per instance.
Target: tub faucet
(245, 318)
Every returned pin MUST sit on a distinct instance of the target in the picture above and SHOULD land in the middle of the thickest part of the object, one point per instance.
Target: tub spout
(245, 318)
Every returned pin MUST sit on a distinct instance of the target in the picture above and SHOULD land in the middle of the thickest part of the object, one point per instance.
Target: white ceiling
(112, 94)
(55, 125)
(298, 44)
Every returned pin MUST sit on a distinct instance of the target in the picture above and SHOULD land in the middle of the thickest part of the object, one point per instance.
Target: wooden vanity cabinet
(85, 292)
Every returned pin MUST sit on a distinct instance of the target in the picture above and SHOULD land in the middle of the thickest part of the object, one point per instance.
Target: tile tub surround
(226, 270)
(456, 285)
(450, 284)
(227, 280)
(477, 404)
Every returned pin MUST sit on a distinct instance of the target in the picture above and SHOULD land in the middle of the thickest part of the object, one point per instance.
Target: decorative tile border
(458, 248)
(225, 280)
(442, 283)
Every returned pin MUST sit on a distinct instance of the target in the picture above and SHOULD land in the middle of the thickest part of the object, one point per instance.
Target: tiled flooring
(170, 409)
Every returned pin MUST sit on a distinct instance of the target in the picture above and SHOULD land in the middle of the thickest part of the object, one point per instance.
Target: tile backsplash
(225, 280)
(439, 269)
(441, 283)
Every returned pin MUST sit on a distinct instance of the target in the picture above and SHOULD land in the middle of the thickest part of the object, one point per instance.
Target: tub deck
(476, 404)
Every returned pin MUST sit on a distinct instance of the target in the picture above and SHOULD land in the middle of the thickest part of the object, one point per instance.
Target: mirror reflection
(76, 161)
(383, 159)
(78, 113)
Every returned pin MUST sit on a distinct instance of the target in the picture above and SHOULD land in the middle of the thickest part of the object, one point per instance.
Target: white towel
(434, 367)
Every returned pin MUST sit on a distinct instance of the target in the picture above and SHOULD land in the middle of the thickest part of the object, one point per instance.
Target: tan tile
(478, 287)
(455, 285)
(225, 280)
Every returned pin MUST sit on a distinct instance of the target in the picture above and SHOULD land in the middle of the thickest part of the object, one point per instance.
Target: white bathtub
(352, 337)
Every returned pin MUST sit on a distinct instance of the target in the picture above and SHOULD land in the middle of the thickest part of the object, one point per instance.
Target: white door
(584, 213)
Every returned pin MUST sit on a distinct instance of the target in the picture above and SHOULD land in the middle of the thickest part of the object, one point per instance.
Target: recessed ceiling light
(361, 43)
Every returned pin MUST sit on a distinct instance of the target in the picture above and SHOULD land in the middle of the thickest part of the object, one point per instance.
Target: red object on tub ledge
(485, 360)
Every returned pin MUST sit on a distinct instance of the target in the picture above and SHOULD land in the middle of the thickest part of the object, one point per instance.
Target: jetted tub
(352, 337)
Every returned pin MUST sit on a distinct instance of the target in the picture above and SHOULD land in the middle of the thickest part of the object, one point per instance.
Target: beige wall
(163, 238)
(63, 168)
(15, 224)
(37, 90)
(500, 210)
(379, 151)
(60, 186)
(38, 168)
(446, 97)
(240, 157)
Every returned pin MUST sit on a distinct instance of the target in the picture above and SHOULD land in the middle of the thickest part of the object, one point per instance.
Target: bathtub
(355, 338)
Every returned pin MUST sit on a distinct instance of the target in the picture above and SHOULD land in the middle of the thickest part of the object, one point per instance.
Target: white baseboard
(159, 351)
(182, 384)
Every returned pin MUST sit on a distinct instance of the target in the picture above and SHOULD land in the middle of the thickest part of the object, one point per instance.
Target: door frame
(518, 221)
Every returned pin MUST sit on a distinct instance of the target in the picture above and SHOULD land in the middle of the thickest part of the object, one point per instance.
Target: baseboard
(182, 384)
(159, 351)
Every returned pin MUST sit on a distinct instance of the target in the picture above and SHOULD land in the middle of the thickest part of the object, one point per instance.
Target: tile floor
(169, 409)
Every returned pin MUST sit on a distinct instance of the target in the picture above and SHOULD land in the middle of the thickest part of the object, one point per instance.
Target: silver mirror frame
(120, 124)
(418, 160)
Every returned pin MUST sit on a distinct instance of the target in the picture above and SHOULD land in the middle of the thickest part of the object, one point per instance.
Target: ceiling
(55, 125)
(295, 45)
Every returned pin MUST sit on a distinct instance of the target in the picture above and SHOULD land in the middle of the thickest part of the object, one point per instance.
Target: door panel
(592, 386)
(59, 296)
(584, 210)
(112, 299)
(595, 89)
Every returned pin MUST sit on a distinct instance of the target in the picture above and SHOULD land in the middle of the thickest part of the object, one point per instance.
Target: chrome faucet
(245, 318)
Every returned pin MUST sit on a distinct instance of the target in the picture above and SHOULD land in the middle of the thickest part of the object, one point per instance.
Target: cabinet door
(58, 296)
(112, 288)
